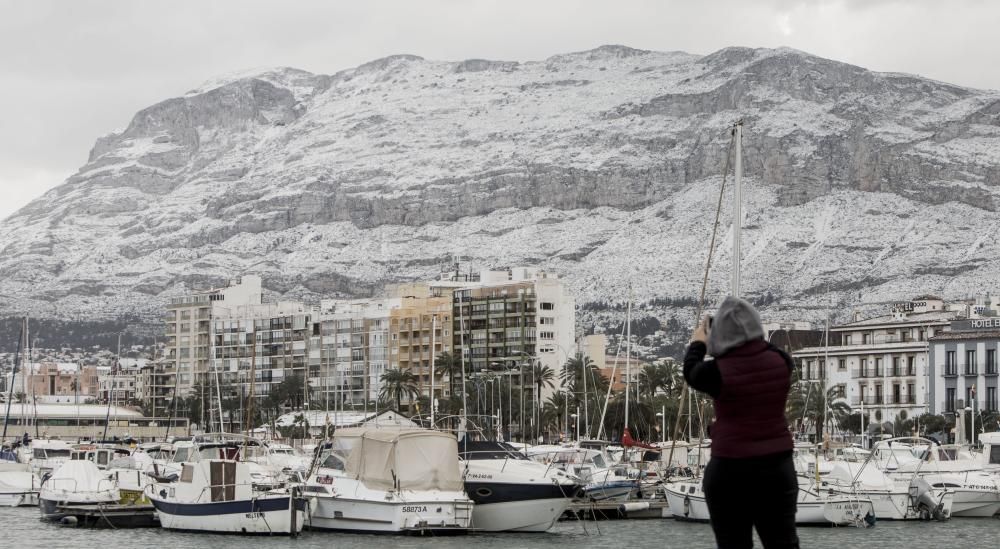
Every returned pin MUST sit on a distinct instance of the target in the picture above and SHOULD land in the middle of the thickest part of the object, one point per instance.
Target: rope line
(704, 288)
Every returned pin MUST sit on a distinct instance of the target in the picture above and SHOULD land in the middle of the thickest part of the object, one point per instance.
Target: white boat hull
(538, 515)
(264, 515)
(610, 491)
(975, 503)
(19, 499)
(422, 516)
(685, 505)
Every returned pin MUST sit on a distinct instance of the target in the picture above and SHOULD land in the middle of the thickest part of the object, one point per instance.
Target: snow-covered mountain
(603, 166)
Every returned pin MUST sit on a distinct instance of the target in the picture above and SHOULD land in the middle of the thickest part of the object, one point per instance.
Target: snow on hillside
(602, 166)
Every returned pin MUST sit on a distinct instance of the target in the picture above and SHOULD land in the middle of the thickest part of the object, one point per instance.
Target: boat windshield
(485, 449)
(50, 453)
(181, 455)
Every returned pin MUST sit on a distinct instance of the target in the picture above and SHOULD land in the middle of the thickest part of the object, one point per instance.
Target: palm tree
(446, 362)
(542, 376)
(579, 371)
(809, 402)
(555, 407)
(396, 384)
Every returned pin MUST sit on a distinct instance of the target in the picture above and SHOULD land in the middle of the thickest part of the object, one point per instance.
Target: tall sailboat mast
(628, 355)
(737, 207)
(10, 391)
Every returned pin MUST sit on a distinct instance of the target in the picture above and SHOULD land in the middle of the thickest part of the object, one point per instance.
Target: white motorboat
(389, 480)
(892, 499)
(18, 485)
(977, 493)
(216, 493)
(602, 482)
(511, 492)
(48, 455)
(75, 482)
(686, 501)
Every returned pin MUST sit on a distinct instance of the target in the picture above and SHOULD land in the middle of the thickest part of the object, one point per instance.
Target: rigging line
(611, 383)
(704, 285)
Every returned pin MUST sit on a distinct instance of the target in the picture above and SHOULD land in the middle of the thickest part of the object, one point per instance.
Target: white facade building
(963, 366)
(880, 364)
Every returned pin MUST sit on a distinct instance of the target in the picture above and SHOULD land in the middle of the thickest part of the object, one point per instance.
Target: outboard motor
(922, 498)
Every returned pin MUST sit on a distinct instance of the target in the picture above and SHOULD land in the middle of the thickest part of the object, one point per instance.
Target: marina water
(23, 529)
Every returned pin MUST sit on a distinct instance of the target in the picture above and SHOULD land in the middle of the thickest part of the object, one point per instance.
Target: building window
(970, 362)
(866, 339)
(546, 320)
(911, 367)
(546, 306)
(896, 366)
(878, 367)
(847, 339)
(969, 395)
(991, 399)
(841, 364)
(546, 335)
(991, 361)
(911, 394)
(950, 366)
(822, 370)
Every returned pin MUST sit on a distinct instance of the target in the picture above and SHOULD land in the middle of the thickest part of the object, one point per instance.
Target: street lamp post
(576, 422)
(662, 414)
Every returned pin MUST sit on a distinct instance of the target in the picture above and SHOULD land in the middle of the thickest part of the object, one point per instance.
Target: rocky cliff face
(601, 165)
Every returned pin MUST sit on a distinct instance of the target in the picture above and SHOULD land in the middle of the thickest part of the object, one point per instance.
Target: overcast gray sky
(75, 70)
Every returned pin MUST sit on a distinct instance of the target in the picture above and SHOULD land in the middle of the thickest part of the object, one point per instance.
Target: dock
(109, 516)
(614, 510)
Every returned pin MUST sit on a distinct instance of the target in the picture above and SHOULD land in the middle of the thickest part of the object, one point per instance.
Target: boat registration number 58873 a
(414, 508)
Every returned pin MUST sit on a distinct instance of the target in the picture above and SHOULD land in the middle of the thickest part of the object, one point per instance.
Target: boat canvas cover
(412, 459)
(869, 477)
(77, 475)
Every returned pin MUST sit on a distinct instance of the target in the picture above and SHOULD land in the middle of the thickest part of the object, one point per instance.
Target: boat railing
(57, 483)
(255, 492)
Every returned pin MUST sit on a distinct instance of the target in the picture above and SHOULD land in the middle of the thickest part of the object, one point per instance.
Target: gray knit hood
(735, 323)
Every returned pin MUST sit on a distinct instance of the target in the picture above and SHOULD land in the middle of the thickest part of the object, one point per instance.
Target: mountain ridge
(338, 184)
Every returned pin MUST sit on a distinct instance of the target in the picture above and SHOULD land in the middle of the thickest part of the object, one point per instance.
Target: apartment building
(188, 321)
(268, 340)
(881, 363)
(512, 319)
(421, 330)
(350, 349)
(357, 341)
(963, 366)
(54, 382)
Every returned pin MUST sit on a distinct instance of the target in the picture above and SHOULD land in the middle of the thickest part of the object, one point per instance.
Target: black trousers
(760, 492)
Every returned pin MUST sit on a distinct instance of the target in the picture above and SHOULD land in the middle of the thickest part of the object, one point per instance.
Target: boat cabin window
(103, 457)
(187, 473)
(994, 454)
(42, 453)
(181, 455)
(598, 460)
(332, 461)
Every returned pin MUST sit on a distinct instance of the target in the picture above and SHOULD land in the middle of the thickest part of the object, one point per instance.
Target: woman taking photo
(750, 481)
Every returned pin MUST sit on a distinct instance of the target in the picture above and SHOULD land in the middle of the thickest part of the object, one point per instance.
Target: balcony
(971, 372)
(950, 370)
